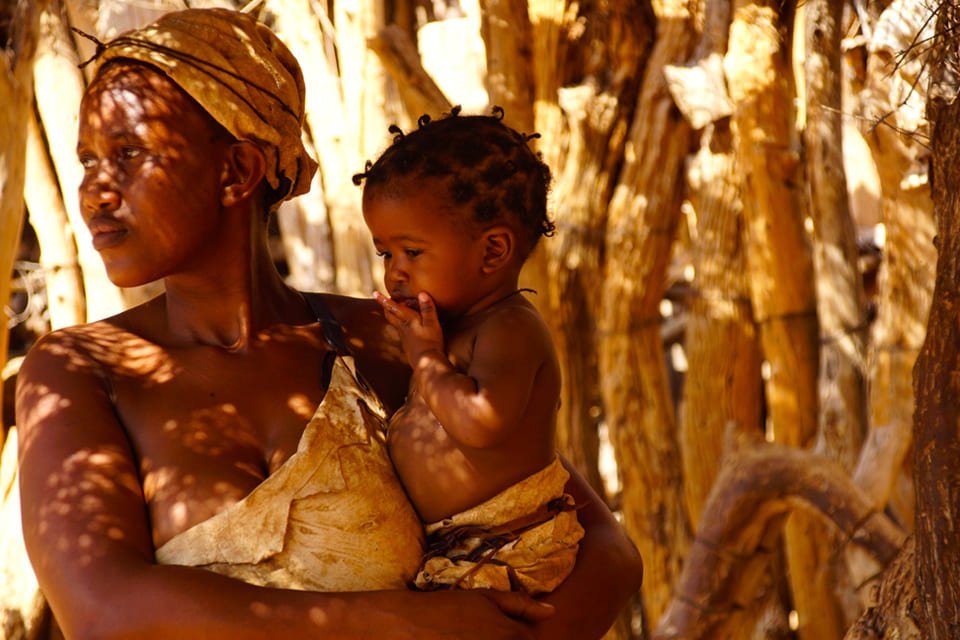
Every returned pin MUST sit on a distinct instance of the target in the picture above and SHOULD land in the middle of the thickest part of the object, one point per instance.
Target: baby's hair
(485, 165)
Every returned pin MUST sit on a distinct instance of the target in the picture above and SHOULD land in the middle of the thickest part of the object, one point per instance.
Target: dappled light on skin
(76, 493)
(196, 450)
(141, 139)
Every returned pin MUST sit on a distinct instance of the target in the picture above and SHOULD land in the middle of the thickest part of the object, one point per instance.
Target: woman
(160, 433)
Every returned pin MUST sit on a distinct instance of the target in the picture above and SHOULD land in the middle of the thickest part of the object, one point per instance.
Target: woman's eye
(87, 162)
(129, 153)
(384, 254)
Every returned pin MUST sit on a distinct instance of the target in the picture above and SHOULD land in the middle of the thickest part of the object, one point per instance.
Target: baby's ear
(499, 248)
(243, 171)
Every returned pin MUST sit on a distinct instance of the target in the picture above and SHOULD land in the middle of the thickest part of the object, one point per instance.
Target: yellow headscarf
(240, 73)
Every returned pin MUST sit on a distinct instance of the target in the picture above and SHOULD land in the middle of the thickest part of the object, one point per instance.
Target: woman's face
(153, 169)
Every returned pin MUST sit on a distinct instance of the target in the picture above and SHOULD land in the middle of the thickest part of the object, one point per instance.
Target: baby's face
(425, 249)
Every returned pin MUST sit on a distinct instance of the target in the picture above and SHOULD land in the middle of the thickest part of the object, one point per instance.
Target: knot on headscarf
(240, 73)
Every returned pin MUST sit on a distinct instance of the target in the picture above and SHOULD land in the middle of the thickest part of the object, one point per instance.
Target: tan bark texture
(936, 428)
(596, 109)
(723, 382)
(505, 28)
(780, 270)
(642, 220)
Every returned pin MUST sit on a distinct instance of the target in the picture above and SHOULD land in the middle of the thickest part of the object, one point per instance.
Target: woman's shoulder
(84, 350)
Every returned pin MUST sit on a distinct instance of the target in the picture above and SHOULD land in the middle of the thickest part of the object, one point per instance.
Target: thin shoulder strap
(333, 333)
(332, 330)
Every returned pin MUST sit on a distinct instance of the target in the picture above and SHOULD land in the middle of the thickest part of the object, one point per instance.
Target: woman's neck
(230, 296)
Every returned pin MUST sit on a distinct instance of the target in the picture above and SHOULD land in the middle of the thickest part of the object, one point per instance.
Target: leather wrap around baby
(332, 518)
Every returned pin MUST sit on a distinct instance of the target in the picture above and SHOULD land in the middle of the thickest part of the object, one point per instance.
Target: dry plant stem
(48, 217)
(723, 383)
(840, 298)
(398, 54)
(643, 216)
(322, 230)
(753, 492)
(723, 378)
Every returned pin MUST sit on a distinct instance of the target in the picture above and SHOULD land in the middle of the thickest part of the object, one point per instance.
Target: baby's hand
(420, 331)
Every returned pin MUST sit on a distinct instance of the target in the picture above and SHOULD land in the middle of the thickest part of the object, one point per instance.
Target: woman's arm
(88, 536)
(608, 571)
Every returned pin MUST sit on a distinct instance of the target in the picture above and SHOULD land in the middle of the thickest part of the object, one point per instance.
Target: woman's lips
(106, 234)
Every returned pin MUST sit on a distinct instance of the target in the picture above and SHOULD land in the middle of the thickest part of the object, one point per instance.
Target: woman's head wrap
(240, 73)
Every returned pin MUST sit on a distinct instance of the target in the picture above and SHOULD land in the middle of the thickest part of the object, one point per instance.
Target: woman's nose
(99, 194)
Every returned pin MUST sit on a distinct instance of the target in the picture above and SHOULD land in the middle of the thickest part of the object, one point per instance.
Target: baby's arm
(478, 407)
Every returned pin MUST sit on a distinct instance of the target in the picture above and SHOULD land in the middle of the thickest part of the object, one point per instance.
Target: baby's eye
(413, 253)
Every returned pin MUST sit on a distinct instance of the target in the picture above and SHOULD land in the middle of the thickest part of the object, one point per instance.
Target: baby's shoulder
(514, 327)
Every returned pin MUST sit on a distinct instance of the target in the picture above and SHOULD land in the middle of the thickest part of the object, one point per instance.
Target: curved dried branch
(760, 485)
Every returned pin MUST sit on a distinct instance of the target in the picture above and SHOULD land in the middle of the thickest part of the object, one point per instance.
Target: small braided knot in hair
(487, 169)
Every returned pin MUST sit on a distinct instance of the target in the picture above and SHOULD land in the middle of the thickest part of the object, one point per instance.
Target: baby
(455, 208)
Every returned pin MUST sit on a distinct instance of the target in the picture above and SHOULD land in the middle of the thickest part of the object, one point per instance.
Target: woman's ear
(499, 248)
(243, 172)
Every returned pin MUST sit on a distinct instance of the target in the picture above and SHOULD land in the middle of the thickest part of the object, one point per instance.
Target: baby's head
(463, 184)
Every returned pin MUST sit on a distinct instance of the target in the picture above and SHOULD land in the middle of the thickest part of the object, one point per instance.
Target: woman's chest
(213, 430)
